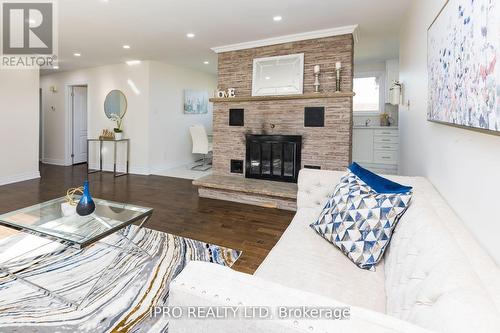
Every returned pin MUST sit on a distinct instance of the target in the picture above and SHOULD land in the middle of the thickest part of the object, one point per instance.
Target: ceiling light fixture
(206, 62)
(126, 47)
(277, 18)
(77, 54)
(190, 35)
(133, 62)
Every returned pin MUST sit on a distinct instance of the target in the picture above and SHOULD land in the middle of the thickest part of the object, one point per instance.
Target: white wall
(369, 67)
(100, 81)
(169, 128)
(19, 121)
(462, 164)
(155, 123)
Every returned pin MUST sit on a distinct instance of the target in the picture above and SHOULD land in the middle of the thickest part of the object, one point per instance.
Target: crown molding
(349, 29)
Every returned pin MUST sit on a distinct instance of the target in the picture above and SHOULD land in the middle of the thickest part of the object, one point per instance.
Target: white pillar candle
(338, 65)
(316, 69)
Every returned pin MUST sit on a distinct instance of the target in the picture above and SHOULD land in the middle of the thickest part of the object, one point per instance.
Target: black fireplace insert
(273, 157)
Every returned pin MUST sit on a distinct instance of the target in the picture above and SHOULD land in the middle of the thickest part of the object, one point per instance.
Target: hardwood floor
(177, 208)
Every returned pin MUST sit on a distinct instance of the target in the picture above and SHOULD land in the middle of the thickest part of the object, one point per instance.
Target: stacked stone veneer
(328, 147)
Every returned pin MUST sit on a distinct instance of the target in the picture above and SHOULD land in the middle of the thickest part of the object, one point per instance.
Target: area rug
(123, 297)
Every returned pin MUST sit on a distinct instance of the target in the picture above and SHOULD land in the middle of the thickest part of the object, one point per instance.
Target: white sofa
(434, 277)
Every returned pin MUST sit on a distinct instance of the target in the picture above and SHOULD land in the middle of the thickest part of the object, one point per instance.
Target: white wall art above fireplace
(280, 75)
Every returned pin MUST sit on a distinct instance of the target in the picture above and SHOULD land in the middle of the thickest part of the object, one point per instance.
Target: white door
(79, 102)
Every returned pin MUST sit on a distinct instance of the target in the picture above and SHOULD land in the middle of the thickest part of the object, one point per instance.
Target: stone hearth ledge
(252, 191)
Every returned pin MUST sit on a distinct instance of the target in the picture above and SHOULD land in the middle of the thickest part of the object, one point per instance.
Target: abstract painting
(195, 101)
(464, 76)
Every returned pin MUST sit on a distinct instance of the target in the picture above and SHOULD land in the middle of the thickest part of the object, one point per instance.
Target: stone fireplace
(322, 121)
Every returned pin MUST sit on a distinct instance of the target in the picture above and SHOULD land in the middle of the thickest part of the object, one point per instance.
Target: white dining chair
(201, 146)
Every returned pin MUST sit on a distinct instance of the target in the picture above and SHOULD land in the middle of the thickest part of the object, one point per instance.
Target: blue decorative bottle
(86, 206)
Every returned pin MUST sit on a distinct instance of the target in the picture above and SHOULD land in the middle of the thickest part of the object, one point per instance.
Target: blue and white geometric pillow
(360, 221)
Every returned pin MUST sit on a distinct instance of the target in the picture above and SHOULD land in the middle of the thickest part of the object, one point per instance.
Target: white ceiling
(156, 29)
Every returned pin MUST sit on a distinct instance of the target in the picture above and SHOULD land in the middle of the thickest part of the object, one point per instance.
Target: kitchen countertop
(376, 127)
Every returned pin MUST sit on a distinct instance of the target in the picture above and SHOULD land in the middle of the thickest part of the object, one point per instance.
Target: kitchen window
(368, 95)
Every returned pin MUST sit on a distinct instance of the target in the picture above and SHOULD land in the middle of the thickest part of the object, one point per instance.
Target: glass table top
(57, 219)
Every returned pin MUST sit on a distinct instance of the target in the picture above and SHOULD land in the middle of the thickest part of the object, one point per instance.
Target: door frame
(41, 127)
(68, 133)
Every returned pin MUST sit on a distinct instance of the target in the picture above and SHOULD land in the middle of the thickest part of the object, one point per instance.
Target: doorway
(79, 132)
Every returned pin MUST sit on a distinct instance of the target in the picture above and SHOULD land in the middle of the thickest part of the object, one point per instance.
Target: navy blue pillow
(377, 183)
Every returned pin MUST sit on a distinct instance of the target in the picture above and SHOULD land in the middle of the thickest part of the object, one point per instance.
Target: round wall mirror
(115, 105)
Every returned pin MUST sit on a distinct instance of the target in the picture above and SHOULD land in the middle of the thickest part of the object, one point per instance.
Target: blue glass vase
(86, 205)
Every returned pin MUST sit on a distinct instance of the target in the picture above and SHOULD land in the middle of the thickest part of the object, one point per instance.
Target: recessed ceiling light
(77, 54)
(268, 78)
(277, 18)
(206, 62)
(133, 62)
(126, 47)
(190, 35)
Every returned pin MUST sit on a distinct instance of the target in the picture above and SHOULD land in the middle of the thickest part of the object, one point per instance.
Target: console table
(115, 143)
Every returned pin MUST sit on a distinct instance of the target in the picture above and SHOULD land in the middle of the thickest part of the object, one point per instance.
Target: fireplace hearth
(273, 157)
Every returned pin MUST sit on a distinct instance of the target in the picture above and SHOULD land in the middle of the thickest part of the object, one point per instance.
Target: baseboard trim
(19, 178)
(55, 161)
(120, 168)
(170, 166)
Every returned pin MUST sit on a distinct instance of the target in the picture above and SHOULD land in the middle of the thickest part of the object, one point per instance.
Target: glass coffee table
(59, 222)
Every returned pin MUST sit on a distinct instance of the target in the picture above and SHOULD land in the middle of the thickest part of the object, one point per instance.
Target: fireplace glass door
(273, 157)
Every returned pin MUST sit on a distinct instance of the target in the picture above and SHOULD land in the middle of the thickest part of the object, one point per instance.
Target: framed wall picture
(463, 65)
(195, 101)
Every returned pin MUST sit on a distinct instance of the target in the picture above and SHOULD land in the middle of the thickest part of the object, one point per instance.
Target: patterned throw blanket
(122, 297)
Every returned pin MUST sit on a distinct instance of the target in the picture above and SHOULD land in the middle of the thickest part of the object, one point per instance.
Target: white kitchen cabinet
(363, 152)
(377, 149)
(386, 157)
(385, 139)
